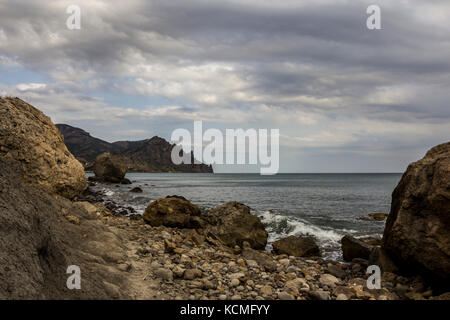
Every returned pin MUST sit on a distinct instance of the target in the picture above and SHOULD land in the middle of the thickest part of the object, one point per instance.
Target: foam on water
(280, 226)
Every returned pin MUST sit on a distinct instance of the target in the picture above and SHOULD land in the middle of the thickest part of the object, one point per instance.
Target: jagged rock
(108, 168)
(417, 232)
(136, 190)
(296, 246)
(30, 138)
(233, 224)
(354, 248)
(172, 212)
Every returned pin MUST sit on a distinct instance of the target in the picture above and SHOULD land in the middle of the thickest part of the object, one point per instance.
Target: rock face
(296, 246)
(233, 224)
(175, 212)
(28, 136)
(107, 168)
(353, 248)
(417, 232)
(39, 242)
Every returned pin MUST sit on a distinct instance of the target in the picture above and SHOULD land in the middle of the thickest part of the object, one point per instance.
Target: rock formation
(175, 212)
(296, 246)
(108, 168)
(417, 232)
(150, 155)
(42, 236)
(233, 224)
(30, 138)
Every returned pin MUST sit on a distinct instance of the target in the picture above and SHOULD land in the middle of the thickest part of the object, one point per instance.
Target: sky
(345, 98)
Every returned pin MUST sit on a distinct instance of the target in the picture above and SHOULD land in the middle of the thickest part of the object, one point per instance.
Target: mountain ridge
(148, 155)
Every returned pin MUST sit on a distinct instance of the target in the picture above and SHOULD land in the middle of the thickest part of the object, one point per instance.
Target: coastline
(187, 264)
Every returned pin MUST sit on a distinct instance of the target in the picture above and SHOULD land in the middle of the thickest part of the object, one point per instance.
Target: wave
(280, 226)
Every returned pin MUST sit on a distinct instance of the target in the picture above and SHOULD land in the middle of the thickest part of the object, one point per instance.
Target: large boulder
(108, 168)
(41, 236)
(417, 232)
(30, 138)
(355, 248)
(174, 212)
(296, 246)
(232, 223)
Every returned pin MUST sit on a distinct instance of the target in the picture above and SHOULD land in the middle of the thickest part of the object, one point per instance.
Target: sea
(324, 206)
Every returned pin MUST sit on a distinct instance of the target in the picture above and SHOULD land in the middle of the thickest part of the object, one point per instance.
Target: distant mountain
(150, 155)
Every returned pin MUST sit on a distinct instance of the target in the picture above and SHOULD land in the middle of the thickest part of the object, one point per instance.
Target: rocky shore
(175, 251)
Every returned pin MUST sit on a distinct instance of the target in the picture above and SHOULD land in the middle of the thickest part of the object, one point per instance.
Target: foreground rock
(30, 138)
(417, 232)
(108, 168)
(296, 246)
(43, 235)
(174, 212)
(353, 248)
(233, 224)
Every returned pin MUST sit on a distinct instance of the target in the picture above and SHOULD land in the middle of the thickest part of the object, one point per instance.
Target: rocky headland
(174, 250)
(150, 155)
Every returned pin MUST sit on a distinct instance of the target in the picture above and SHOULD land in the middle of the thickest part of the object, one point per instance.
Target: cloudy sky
(345, 98)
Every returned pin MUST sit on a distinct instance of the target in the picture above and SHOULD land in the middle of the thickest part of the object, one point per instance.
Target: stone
(354, 248)
(235, 282)
(328, 280)
(336, 271)
(108, 168)
(30, 138)
(191, 274)
(266, 290)
(285, 296)
(252, 264)
(319, 295)
(341, 296)
(233, 224)
(376, 216)
(262, 258)
(296, 246)
(171, 212)
(164, 274)
(417, 232)
(136, 190)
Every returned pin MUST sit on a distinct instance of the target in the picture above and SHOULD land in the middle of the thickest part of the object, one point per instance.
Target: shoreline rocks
(233, 224)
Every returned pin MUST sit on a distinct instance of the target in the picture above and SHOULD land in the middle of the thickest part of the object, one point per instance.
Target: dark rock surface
(296, 246)
(417, 233)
